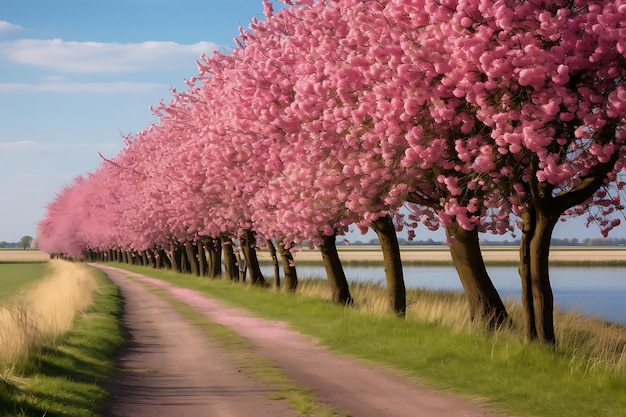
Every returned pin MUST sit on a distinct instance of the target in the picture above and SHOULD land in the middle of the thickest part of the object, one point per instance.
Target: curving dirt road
(171, 368)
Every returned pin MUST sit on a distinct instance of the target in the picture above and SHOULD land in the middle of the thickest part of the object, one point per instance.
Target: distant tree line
(24, 242)
(600, 241)
(7, 245)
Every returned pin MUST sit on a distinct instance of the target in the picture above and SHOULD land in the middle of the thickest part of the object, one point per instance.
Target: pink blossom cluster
(334, 113)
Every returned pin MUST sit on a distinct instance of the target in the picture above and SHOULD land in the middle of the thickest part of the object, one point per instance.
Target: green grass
(532, 380)
(61, 379)
(15, 276)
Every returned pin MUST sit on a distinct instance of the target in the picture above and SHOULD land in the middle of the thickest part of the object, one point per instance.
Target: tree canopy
(474, 114)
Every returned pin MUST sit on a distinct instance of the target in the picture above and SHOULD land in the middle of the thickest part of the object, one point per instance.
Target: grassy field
(16, 276)
(19, 268)
(19, 255)
(67, 344)
(585, 375)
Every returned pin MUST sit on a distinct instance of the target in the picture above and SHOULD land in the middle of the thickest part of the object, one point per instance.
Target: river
(595, 291)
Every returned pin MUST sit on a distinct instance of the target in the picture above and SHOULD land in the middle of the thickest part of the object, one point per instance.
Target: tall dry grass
(44, 311)
(591, 343)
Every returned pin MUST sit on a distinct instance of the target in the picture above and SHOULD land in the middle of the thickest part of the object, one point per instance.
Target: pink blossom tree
(57, 231)
(331, 169)
(370, 102)
(546, 82)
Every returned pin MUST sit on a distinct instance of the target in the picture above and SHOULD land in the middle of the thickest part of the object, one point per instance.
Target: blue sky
(75, 75)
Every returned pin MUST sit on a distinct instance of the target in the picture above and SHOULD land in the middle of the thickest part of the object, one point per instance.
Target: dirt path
(172, 369)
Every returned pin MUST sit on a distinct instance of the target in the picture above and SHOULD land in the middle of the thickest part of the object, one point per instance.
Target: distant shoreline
(413, 255)
(505, 255)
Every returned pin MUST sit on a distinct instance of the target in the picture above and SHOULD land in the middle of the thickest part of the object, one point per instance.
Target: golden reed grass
(44, 311)
(591, 343)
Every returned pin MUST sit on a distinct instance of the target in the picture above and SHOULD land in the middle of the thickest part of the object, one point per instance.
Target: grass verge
(60, 378)
(532, 380)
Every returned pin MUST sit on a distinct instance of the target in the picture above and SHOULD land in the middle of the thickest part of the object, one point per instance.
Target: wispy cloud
(19, 144)
(97, 57)
(82, 88)
(6, 27)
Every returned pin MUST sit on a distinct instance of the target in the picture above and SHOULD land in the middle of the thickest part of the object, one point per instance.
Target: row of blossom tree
(473, 114)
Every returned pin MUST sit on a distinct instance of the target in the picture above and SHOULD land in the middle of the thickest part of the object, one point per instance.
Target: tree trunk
(202, 260)
(248, 243)
(185, 266)
(230, 260)
(242, 266)
(214, 249)
(340, 292)
(162, 260)
(272, 249)
(289, 268)
(485, 303)
(175, 259)
(543, 299)
(384, 228)
(528, 309)
(191, 252)
(150, 259)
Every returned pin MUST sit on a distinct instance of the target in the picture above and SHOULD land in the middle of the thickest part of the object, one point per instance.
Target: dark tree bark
(340, 292)
(484, 301)
(543, 299)
(272, 249)
(242, 266)
(230, 260)
(191, 254)
(543, 208)
(289, 268)
(537, 296)
(396, 290)
(214, 249)
(151, 257)
(248, 245)
(161, 260)
(528, 308)
(175, 259)
(202, 260)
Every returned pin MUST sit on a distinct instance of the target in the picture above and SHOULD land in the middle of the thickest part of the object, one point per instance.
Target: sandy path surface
(171, 369)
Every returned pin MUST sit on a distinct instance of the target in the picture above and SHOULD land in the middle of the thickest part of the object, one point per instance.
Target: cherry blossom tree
(57, 232)
(546, 82)
(334, 113)
(369, 98)
(331, 168)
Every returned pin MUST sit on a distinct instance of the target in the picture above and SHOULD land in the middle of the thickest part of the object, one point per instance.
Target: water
(595, 291)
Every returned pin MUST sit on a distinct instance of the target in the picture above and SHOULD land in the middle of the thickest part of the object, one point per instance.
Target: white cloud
(20, 144)
(82, 88)
(6, 27)
(97, 57)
